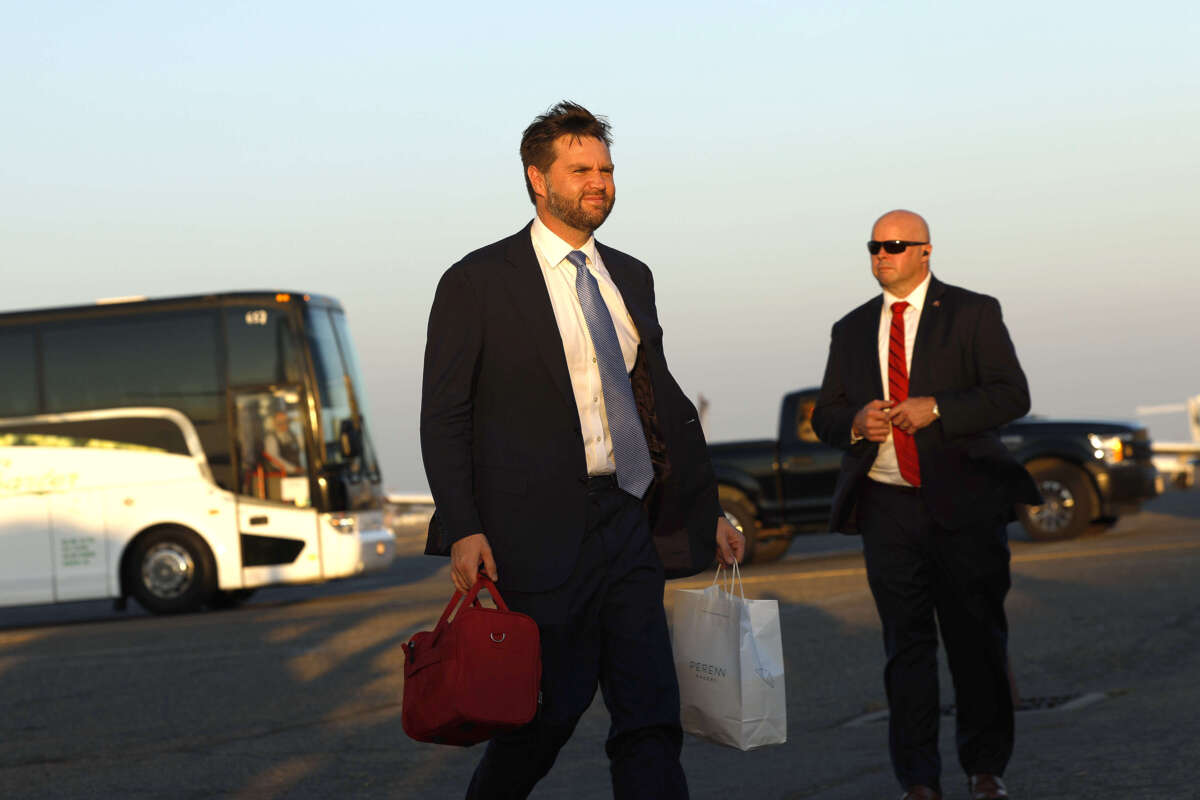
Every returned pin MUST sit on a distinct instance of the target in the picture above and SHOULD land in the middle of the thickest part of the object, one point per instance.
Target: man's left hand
(731, 544)
(913, 414)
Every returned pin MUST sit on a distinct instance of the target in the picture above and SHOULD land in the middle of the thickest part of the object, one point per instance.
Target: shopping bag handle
(734, 580)
(471, 598)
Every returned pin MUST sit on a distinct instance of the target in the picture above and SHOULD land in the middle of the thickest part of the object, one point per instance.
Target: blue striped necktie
(634, 470)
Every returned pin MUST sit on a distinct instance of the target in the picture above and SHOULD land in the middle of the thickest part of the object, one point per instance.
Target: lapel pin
(937, 303)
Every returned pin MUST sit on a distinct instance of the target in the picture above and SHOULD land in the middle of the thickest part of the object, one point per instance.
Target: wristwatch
(935, 410)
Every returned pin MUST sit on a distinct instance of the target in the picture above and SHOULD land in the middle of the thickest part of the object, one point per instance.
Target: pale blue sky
(357, 149)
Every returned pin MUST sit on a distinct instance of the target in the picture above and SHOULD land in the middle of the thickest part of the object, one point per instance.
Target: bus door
(277, 524)
(26, 574)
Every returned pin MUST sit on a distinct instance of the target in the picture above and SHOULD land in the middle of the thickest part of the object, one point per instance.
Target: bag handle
(482, 581)
(734, 581)
(471, 598)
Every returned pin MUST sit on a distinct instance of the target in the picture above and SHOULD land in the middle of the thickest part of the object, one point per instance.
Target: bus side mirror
(350, 437)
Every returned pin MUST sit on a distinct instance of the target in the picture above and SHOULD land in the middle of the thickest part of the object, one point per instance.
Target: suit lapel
(532, 298)
(932, 318)
(632, 293)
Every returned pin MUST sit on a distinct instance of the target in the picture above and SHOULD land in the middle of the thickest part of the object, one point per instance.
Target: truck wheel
(1070, 504)
(740, 513)
(170, 571)
(772, 550)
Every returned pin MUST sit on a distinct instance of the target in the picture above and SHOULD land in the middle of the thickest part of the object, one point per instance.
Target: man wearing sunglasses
(916, 384)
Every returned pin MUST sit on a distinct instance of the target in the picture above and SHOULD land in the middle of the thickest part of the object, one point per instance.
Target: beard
(573, 213)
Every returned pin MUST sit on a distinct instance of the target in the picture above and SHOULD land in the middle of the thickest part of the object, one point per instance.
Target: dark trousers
(605, 626)
(920, 572)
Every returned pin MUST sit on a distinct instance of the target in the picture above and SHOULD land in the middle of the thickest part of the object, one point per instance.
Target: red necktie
(906, 448)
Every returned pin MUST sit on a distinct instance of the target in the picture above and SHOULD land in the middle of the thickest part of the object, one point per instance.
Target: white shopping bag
(729, 659)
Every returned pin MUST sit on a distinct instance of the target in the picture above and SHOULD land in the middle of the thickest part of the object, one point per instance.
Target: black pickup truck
(1089, 473)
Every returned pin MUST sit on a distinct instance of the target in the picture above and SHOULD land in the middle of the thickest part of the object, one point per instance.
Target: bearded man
(568, 465)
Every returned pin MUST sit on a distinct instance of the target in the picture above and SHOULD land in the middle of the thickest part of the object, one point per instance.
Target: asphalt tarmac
(297, 694)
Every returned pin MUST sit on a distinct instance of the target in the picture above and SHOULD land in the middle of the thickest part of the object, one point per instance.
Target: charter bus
(110, 412)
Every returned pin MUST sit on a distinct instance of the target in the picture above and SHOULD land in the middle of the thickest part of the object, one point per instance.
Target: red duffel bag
(473, 676)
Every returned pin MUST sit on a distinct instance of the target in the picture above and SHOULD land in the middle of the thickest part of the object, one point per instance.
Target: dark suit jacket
(500, 430)
(964, 358)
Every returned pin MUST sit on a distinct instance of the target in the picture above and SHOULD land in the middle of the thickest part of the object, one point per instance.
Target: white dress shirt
(886, 468)
(577, 343)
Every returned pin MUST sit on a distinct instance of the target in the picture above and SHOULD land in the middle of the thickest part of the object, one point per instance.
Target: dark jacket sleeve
(452, 350)
(833, 414)
(1001, 392)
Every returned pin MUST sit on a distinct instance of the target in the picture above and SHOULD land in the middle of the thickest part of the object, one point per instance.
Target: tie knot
(577, 258)
(897, 308)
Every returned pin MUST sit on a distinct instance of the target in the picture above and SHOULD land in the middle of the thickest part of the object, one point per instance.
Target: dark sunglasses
(893, 246)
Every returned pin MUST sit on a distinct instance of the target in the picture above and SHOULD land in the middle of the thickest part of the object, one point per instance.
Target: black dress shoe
(986, 787)
(921, 793)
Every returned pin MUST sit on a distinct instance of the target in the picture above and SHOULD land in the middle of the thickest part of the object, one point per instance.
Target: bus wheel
(170, 571)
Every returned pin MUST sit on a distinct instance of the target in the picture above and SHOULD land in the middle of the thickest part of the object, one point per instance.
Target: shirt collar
(916, 298)
(555, 250)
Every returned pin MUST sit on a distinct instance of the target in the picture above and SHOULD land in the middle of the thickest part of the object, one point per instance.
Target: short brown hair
(564, 119)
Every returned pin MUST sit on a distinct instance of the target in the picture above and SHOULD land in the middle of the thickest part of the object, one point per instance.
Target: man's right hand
(465, 557)
(872, 422)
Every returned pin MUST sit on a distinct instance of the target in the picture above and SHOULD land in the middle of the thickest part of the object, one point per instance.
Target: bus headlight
(1107, 448)
(344, 523)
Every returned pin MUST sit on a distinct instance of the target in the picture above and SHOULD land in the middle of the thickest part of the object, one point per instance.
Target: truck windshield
(340, 386)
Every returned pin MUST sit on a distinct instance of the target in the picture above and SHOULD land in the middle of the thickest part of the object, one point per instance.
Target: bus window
(332, 385)
(150, 434)
(167, 359)
(342, 401)
(18, 390)
(273, 459)
(262, 347)
(350, 359)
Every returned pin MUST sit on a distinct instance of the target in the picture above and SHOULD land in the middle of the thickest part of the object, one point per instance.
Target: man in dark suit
(566, 462)
(916, 384)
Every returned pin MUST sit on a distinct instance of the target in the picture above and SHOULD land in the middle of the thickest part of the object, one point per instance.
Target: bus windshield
(340, 385)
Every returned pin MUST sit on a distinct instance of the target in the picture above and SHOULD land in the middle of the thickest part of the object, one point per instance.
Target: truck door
(277, 524)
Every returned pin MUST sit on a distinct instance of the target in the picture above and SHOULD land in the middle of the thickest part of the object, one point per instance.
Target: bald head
(899, 273)
(914, 225)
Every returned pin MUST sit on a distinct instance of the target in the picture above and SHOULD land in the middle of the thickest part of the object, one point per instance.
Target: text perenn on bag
(707, 672)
